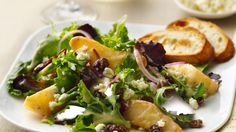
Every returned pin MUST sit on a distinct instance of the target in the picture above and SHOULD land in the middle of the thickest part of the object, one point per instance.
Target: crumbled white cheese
(139, 84)
(72, 66)
(106, 81)
(100, 87)
(82, 49)
(153, 87)
(45, 59)
(63, 97)
(140, 129)
(52, 105)
(129, 93)
(108, 92)
(56, 96)
(100, 128)
(103, 85)
(161, 123)
(62, 90)
(82, 56)
(210, 6)
(193, 102)
(108, 72)
(63, 73)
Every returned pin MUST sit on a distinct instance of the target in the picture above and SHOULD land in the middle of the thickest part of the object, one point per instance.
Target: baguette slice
(183, 44)
(222, 44)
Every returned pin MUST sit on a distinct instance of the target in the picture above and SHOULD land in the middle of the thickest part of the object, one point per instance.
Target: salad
(109, 82)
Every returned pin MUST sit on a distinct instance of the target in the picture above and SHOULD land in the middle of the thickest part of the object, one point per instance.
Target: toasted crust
(187, 44)
(228, 52)
(223, 46)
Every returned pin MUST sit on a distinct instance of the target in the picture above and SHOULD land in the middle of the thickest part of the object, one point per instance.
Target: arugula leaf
(180, 83)
(160, 97)
(202, 67)
(182, 119)
(118, 38)
(49, 120)
(199, 91)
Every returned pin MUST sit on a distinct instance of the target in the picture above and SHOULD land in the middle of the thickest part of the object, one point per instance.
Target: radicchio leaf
(99, 65)
(215, 76)
(89, 29)
(154, 52)
(88, 77)
(25, 83)
(42, 65)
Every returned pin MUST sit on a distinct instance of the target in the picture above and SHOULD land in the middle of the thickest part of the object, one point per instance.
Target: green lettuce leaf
(84, 124)
(101, 112)
(49, 46)
(118, 38)
(67, 69)
(21, 68)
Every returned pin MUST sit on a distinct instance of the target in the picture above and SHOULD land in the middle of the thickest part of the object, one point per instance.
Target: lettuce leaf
(49, 46)
(21, 68)
(84, 124)
(100, 112)
(118, 38)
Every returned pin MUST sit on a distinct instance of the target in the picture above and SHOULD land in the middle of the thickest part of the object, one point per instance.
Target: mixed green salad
(101, 82)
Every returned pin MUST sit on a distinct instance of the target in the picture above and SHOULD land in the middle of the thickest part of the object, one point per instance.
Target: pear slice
(193, 77)
(39, 102)
(96, 50)
(145, 114)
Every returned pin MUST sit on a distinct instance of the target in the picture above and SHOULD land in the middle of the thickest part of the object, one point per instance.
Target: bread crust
(226, 54)
(205, 54)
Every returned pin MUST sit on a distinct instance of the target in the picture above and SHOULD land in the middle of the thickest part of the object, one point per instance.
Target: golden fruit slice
(96, 50)
(145, 114)
(193, 77)
(39, 102)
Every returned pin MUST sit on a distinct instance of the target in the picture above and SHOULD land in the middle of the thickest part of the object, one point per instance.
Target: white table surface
(20, 18)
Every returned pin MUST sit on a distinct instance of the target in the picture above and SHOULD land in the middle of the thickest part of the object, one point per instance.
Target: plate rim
(59, 24)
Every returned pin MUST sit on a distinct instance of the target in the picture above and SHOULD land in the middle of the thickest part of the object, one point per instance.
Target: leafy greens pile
(81, 84)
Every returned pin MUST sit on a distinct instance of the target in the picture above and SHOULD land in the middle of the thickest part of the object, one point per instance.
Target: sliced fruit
(96, 50)
(145, 114)
(193, 77)
(39, 102)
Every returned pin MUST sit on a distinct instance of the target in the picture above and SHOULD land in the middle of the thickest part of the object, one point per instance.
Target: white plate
(203, 14)
(214, 114)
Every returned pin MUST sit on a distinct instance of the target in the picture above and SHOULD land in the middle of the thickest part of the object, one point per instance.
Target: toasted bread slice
(183, 44)
(222, 44)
